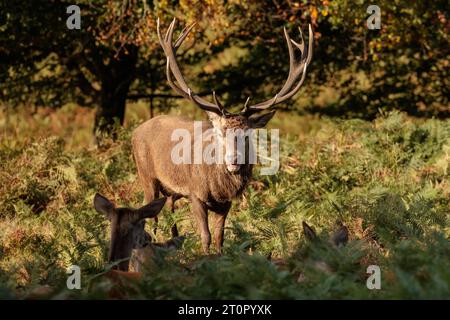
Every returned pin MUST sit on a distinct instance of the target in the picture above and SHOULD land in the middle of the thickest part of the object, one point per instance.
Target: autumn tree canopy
(237, 49)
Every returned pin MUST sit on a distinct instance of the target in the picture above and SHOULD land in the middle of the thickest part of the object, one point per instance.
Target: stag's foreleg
(200, 211)
(171, 203)
(221, 213)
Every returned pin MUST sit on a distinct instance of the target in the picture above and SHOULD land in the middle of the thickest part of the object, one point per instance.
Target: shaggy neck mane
(225, 185)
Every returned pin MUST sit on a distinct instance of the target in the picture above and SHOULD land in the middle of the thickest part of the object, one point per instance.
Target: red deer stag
(208, 186)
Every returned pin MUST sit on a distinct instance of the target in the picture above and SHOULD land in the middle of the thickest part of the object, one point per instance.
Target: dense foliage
(387, 180)
(372, 166)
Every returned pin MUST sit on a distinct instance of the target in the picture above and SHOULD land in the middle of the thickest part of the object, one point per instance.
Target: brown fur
(208, 186)
(127, 228)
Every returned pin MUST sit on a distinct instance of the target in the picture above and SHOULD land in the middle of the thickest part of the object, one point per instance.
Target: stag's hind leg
(146, 176)
(151, 192)
(144, 166)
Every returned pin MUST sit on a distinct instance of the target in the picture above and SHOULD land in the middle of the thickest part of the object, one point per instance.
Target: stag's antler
(295, 69)
(172, 68)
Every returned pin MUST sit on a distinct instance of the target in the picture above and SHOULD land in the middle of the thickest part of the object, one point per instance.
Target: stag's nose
(230, 159)
(231, 162)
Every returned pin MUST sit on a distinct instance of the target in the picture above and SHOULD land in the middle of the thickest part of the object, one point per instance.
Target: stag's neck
(225, 186)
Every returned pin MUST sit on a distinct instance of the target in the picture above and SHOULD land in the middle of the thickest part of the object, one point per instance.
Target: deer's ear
(340, 237)
(152, 209)
(262, 120)
(309, 232)
(103, 205)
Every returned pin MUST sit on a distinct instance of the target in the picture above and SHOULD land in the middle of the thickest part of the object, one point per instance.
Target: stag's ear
(152, 209)
(103, 205)
(309, 232)
(262, 120)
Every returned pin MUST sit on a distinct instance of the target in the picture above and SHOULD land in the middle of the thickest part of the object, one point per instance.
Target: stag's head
(127, 227)
(222, 120)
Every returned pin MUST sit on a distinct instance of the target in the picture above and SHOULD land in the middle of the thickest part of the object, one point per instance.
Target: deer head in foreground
(334, 241)
(339, 238)
(127, 228)
(210, 186)
(128, 241)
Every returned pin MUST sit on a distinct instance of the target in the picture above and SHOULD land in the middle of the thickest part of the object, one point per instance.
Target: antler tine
(245, 108)
(158, 32)
(291, 56)
(166, 44)
(169, 32)
(300, 46)
(296, 67)
(297, 87)
(183, 35)
(246, 102)
(310, 44)
(216, 101)
(172, 67)
(184, 30)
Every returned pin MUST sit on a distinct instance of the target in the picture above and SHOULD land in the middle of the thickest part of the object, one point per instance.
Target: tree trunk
(151, 108)
(116, 81)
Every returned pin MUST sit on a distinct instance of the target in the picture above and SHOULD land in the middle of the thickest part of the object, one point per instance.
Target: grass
(387, 180)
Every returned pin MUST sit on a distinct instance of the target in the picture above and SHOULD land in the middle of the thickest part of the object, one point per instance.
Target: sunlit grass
(387, 180)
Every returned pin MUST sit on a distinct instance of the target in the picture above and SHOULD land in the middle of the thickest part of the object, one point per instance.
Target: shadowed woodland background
(237, 49)
(366, 141)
